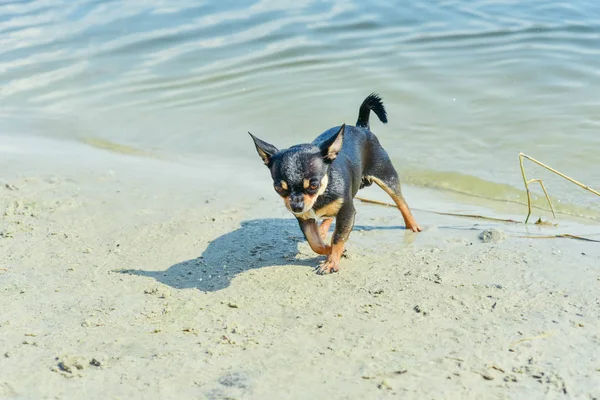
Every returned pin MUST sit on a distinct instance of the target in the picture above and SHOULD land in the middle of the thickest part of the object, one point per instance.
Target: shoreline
(101, 152)
(127, 277)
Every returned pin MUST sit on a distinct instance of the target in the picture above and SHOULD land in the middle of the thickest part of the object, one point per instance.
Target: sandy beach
(140, 277)
(145, 255)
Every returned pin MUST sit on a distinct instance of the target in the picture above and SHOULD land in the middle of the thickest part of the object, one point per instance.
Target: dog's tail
(372, 102)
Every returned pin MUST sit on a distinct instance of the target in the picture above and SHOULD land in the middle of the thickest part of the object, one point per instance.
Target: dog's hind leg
(385, 176)
(393, 191)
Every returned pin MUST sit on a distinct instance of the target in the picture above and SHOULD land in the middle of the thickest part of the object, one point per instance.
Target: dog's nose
(297, 202)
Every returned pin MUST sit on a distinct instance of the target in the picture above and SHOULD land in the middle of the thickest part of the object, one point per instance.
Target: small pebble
(492, 235)
(95, 362)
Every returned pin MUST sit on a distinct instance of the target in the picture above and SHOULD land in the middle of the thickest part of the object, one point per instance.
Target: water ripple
(461, 78)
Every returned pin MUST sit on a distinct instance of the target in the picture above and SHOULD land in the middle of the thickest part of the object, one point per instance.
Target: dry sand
(125, 277)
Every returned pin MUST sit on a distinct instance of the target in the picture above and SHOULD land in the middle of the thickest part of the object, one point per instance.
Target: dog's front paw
(328, 266)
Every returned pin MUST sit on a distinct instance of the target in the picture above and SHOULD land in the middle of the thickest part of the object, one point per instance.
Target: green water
(467, 84)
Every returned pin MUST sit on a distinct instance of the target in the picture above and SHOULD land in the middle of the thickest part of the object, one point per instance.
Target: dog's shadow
(255, 244)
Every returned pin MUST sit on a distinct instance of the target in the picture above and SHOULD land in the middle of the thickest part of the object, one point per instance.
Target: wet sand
(130, 277)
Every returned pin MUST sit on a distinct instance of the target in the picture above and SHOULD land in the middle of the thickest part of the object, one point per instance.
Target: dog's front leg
(324, 228)
(344, 223)
(313, 236)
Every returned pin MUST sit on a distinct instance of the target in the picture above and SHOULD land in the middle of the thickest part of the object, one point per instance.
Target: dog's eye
(279, 189)
(314, 186)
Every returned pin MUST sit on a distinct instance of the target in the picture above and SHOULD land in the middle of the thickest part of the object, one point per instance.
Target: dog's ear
(264, 149)
(333, 145)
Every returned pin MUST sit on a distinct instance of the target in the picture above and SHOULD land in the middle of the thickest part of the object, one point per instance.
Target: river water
(468, 84)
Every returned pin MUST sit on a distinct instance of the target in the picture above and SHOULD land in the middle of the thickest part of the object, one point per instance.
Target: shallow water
(467, 84)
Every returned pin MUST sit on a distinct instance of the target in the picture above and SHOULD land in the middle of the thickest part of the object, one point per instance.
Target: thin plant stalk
(527, 182)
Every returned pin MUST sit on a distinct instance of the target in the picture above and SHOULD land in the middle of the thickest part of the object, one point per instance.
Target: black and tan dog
(319, 180)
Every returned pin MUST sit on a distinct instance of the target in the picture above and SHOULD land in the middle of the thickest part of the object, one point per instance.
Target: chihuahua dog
(319, 180)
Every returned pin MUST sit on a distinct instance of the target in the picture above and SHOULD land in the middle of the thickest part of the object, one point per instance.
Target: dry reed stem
(544, 335)
(526, 182)
(383, 203)
(561, 235)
